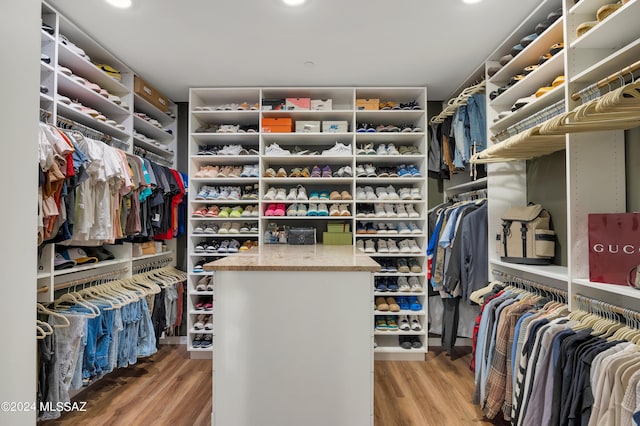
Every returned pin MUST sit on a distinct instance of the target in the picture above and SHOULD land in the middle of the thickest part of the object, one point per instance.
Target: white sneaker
(414, 247)
(382, 193)
(379, 210)
(382, 246)
(360, 245)
(338, 149)
(392, 228)
(416, 325)
(392, 246)
(392, 150)
(405, 194)
(382, 149)
(274, 149)
(403, 228)
(411, 212)
(302, 210)
(369, 194)
(403, 285)
(400, 209)
(415, 194)
(281, 194)
(369, 246)
(334, 210)
(348, 172)
(389, 211)
(323, 210)
(293, 194)
(270, 195)
(414, 283)
(403, 245)
(393, 195)
(344, 210)
(302, 193)
(360, 195)
(403, 323)
(360, 171)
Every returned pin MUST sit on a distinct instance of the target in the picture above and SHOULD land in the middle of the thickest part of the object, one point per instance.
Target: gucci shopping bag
(614, 247)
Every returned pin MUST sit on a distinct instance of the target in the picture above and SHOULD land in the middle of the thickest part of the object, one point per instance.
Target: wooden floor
(171, 389)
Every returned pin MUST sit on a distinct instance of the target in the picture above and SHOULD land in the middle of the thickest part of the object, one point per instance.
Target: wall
(20, 30)
(633, 169)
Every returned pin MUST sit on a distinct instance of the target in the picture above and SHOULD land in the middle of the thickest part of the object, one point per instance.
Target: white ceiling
(177, 44)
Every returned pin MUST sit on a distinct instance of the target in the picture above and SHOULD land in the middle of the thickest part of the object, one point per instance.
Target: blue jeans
(476, 111)
(460, 127)
(146, 334)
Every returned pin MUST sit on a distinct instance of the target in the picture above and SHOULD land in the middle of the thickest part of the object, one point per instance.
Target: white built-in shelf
(610, 64)
(74, 90)
(82, 118)
(90, 266)
(229, 235)
(80, 66)
(397, 294)
(228, 117)
(399, 274)
(587, 7)
(46, 37)
(201, 293)
(389, 219)
(224, 160)
(152, 147)
(311, 181)
(468, 186)
(555, 272)
(227, 219)
(390, 202)
(531, 54)
(325, 201)
(45, 67)
(328, 138)
(397, 349)
(389, 159)
(203, 331)
(225, 138)
(542, 76)
(389, 180)
(622, 290)
(421, 312)
(151, 131)
(385, 236)
(312, 115)
(386, 137)
(142, 105)
(388, 116)
(612, 32)
(153, 256)
(45, 98)
(397, 333)
(307, 217)
(392, 254)
(225, 181)
(42, 275)
(224, 202)
(308, 160)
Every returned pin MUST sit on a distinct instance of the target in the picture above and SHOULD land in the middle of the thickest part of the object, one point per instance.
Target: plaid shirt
(498, 386)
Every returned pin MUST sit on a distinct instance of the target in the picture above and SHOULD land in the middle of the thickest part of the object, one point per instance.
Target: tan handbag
(527, 236)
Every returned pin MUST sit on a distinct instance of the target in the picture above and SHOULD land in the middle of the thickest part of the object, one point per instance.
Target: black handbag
(301, 236)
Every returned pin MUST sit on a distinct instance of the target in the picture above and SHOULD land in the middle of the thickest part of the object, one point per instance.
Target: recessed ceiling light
(471, 1)
(293, 2)
(122, 4)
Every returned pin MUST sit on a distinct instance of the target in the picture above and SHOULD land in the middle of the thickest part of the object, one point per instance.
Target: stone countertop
(276, 257)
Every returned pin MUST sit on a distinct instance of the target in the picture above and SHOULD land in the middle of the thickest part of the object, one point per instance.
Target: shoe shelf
(201, 160)
(152, 147)
(225, 181)
(398, 349)
(152, 256)
(421, 312)
(397, 333)
(44, 67)
(386, 254)
(302, 160)
(203, 331)
(621, 290)
(398, 293)
(201, 293)
(46, 37)
(343, 100)
(399, 274)
(609, 64)
(214, 254)
(312, 181)
(151, 131)
(45, 98)
(142, 105)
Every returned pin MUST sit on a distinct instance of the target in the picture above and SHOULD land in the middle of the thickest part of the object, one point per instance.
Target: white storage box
(307, 126)
(321, 104)
(335, 126)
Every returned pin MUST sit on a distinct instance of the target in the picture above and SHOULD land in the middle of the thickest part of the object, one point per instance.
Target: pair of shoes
(339, 210)
(338, 149)
(276, 150)
(205, 283)
(248, 244)
(199, 266)
(409, 342)
(202, 341)
(275, 210)
(383, 149)
(409, 323)
(203, 322)
(387, 304)
(297, 210)
(205, 303)
(320, 209)
(386, 323)
(344, 195)
(344, 171)
(409, 265)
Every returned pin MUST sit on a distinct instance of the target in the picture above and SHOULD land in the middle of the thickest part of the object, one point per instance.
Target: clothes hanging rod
(526, 282)
(600, 305)
(155, 264)
(629, 70)
(454, 103)
(62, 121)
(92, 278)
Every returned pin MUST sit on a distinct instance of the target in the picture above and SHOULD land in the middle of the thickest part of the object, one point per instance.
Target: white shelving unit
(595, 177)
(203, 103)
(59, 48)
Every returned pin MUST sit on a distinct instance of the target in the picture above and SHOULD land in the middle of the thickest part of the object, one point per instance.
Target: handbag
(302, 236)
(614, 247)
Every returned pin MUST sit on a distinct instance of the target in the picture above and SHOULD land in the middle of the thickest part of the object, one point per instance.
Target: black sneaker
(197, 341)
(405, 342)
(207, 341)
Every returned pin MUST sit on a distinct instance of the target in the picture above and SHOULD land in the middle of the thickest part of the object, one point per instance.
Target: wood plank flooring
(171, 389)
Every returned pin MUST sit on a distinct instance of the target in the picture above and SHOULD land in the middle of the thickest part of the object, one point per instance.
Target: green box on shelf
(338, 227)
(337, 238)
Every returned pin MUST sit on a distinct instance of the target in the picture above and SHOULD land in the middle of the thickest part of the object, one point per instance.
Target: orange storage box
(277, 125)
(368, 104)
(151, 94)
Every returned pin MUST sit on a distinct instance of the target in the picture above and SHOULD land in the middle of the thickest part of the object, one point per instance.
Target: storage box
(335, 126)
(141, 249)
(321, 104)
(368, 104)
(272, 104)
(277, 125)
(307, 126)
(301, 104)
(150, 94)
(337, 238)
(614, 247)
(338, 227)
